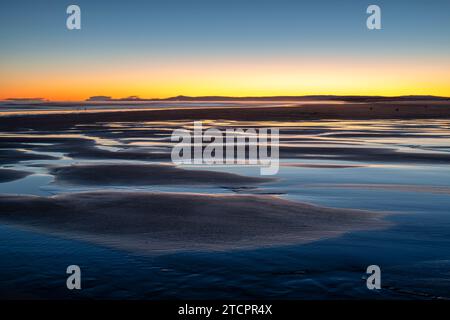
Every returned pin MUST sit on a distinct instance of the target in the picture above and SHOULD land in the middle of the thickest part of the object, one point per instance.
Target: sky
(163, 48)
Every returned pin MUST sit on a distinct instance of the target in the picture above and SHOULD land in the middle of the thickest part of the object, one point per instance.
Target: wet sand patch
(147, 174)
(392, 187)
(85, 148)
(322, 165)
(7, 175)
(15, 156)
(364, 154)
(153, 222)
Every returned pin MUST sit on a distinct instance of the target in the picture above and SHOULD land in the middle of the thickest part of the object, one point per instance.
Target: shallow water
(414, 254)
(9, 108)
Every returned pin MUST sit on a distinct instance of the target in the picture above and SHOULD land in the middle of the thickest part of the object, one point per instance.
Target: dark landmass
(349, 98)
(26, 100)
(98, 100)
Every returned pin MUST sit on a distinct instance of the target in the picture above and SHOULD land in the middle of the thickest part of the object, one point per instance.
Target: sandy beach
(346, 111)
(149, 221)
(105, 180)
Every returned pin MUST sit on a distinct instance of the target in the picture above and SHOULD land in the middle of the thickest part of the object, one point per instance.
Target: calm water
(414, 254)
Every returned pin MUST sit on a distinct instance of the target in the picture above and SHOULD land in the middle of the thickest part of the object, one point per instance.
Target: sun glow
(245, 77)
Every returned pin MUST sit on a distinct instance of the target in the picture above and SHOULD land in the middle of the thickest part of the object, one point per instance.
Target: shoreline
(349, 111)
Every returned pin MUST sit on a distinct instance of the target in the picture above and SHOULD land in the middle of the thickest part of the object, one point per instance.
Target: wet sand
(149, 174)
(173, 221)
(305, 144)
(322, 165)
(14, 156)
(350, 111)
(391, 187)
(7, 175)
(138, 209)
(363, 154)
(151, 222)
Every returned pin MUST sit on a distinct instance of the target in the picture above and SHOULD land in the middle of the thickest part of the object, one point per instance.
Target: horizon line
(101, 98)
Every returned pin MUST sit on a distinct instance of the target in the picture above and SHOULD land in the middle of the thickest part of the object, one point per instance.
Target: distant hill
(282, 98)
(100, 98)
(25, 100)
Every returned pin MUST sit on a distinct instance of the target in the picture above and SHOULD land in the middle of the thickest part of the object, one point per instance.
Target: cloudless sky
(159, 48)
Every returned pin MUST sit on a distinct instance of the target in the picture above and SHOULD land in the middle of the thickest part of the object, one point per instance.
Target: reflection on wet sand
(149, 222)
(127, 156)
(108, 181)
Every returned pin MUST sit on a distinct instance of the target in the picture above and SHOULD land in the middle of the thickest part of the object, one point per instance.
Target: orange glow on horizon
(238, 78)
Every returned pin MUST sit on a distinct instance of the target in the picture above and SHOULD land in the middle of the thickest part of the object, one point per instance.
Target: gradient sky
(161, 48)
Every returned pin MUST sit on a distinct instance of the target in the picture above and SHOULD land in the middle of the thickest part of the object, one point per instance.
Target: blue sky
(231, 26)
(34, 32)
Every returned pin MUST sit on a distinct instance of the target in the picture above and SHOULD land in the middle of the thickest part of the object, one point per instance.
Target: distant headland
(348, 98)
